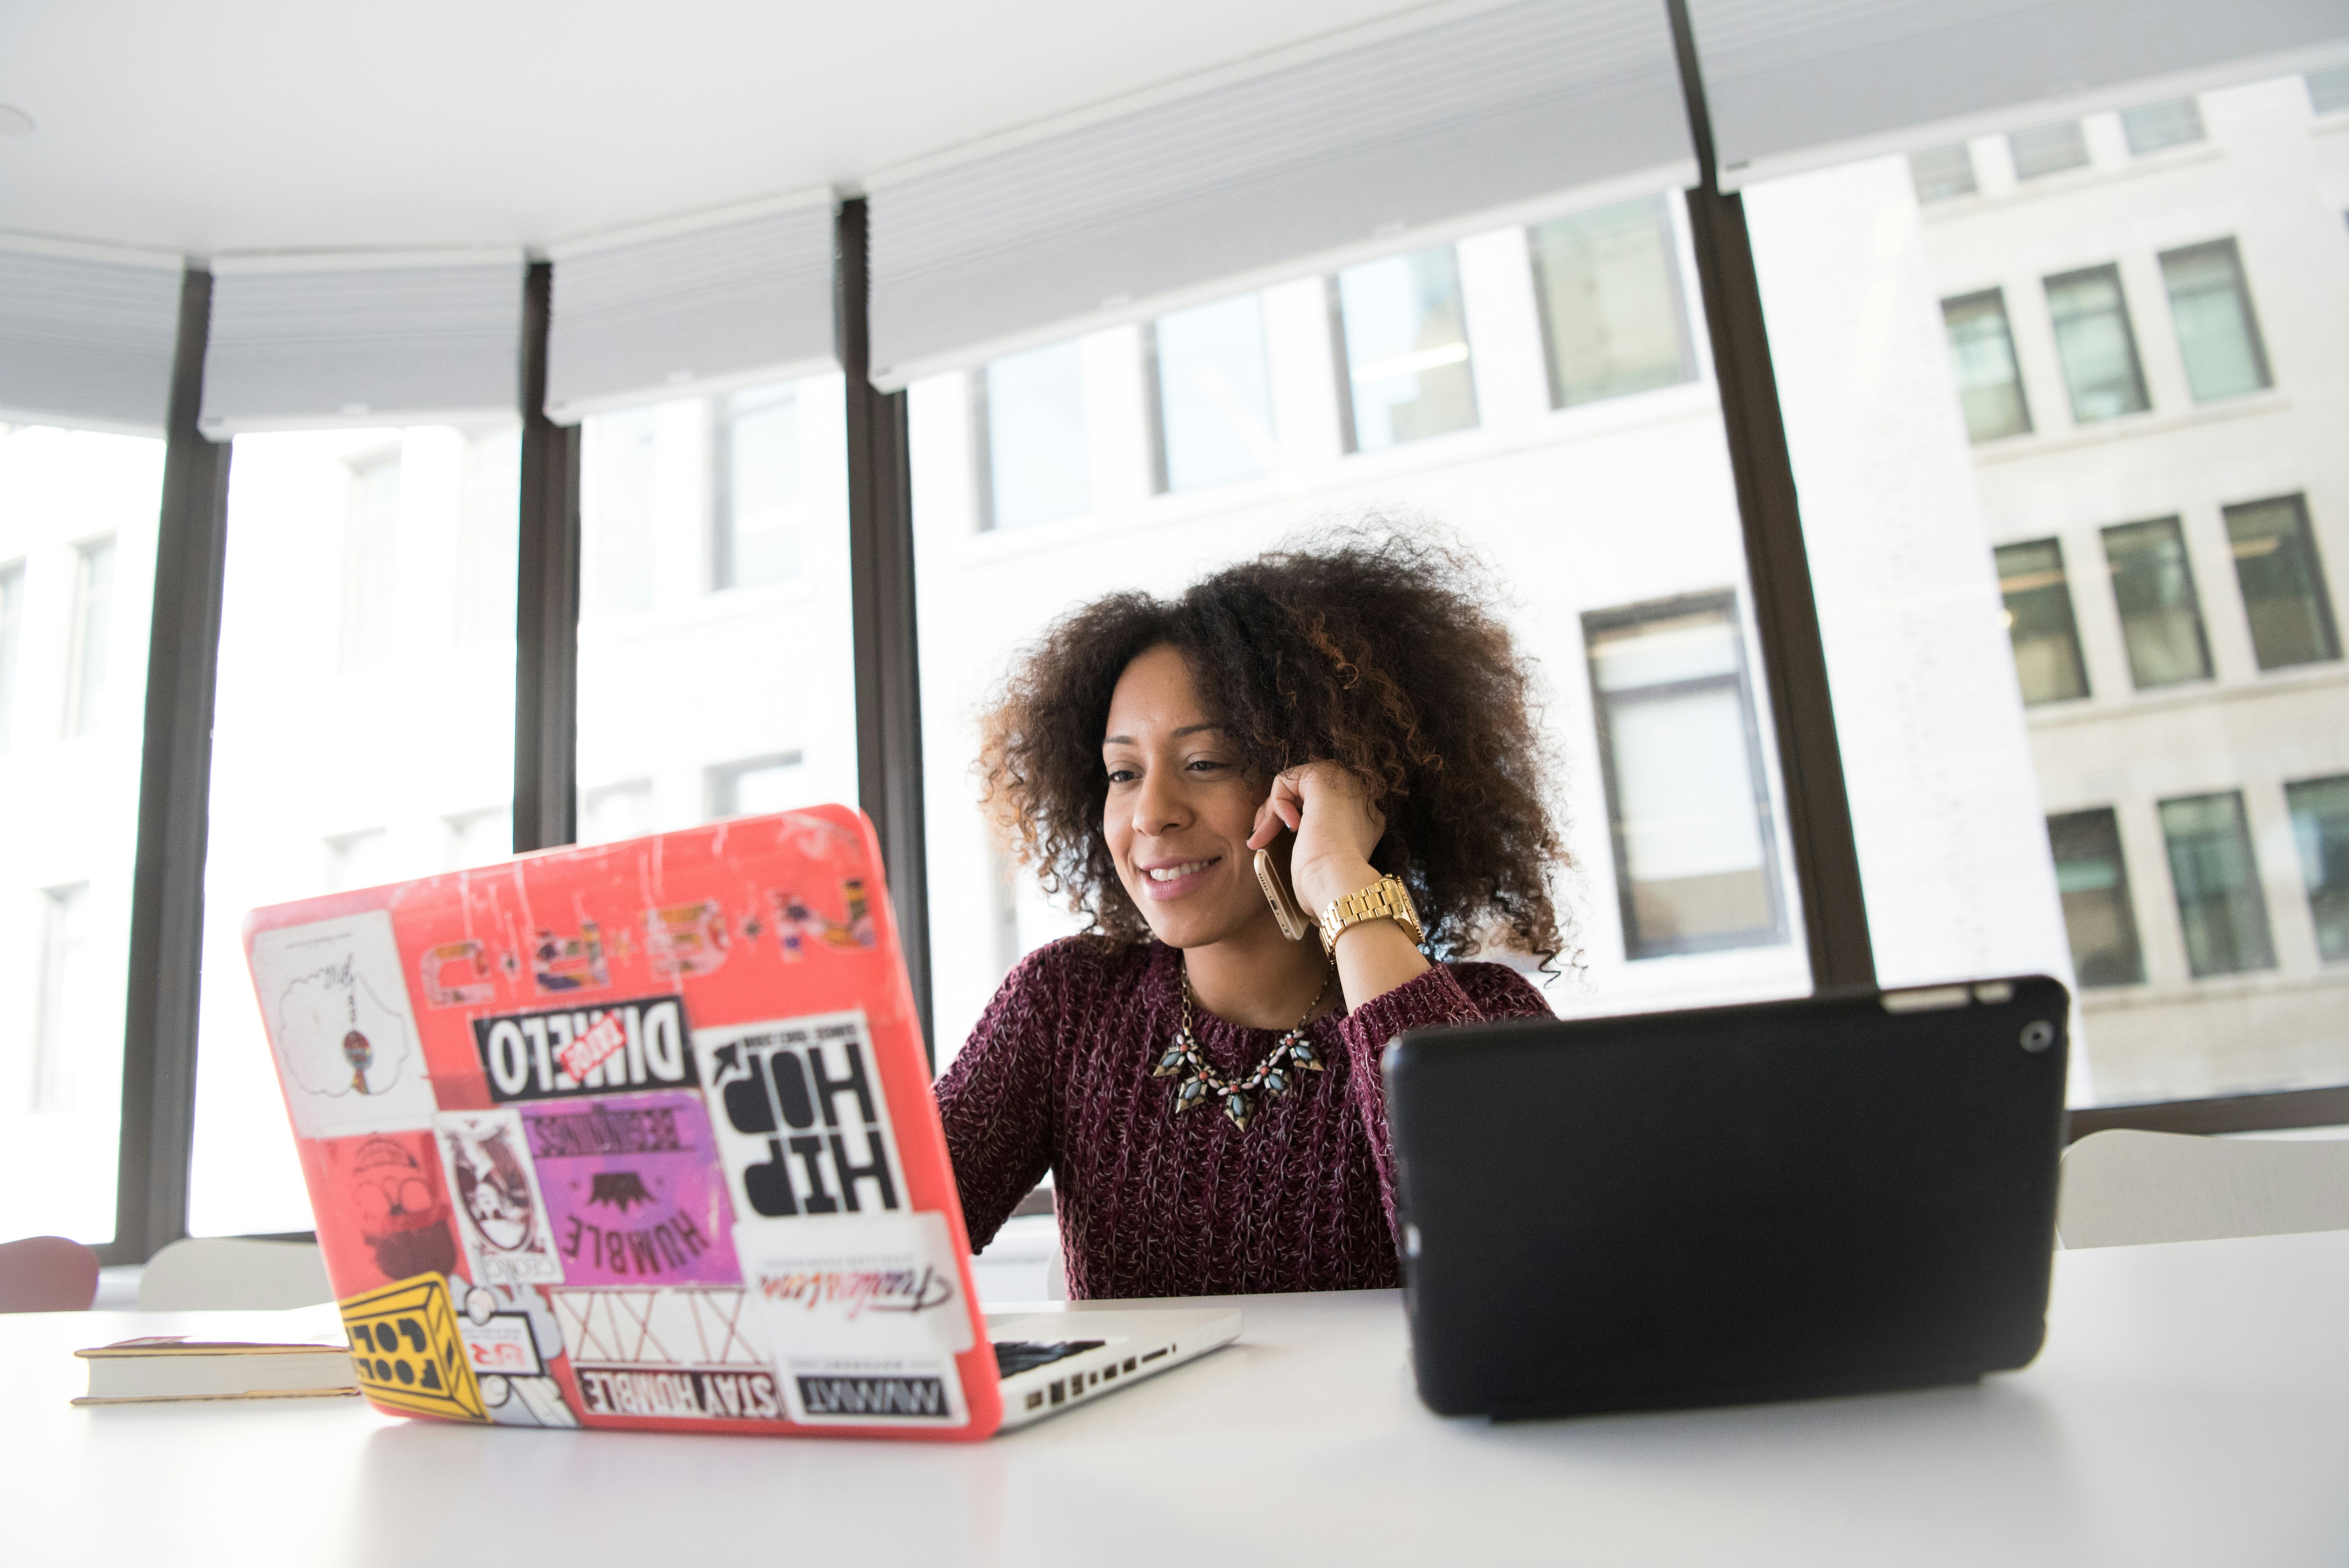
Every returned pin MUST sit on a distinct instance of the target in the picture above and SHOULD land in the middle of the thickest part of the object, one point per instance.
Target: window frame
(2121, 313)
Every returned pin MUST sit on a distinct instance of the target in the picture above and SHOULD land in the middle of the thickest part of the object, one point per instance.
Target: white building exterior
(2270, 172)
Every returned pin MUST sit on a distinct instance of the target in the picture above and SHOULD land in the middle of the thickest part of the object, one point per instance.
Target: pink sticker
(584, 1053)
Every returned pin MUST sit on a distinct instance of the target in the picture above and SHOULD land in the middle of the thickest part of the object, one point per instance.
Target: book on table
(303, 1354)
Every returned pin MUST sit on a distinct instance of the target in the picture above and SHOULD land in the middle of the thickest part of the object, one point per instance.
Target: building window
(359, 860)
(1403, 348)
(1033, 462)
(2048, 150)
(620, 512)
(1695, 856)
(2328, 91)
(488, 563)
(1943, 172)
(2320, 826)
(1614, 319)
(1210, 387)
(371, 561)
(61, 1042)
(2282, 581)
(755, 786)
(1982, 350)
(2150, 127)
(2161, 618)
(754, 447)
(2093, 340)
(616, 811)
(12, 620)
(2217, 333)
(2039, 623)
(93, 634)
(2220, 904)
(481, 838)
(2093, 881)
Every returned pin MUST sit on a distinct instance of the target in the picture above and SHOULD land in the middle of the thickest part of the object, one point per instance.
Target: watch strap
(1386, 899)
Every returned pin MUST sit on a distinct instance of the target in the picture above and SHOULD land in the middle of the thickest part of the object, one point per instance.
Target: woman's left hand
(1328, 808)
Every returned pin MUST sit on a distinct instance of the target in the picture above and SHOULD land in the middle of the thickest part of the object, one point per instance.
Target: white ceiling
(231, 125)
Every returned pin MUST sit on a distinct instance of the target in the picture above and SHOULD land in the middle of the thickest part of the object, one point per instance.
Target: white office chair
(2124, 1188)
(229, 1273)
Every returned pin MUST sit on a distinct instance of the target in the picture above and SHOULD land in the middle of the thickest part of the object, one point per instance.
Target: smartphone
(1293, 924)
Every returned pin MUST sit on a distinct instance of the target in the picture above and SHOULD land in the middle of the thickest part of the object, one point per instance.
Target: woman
(1205, 1090)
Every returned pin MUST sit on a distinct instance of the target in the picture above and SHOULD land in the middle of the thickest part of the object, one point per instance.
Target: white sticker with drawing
(335, 1002)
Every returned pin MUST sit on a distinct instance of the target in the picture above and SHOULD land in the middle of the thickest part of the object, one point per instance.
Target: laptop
(1839, 1194)
(641, 1136)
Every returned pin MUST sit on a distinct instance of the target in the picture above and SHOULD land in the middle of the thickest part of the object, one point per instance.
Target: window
(2283, 584)
(2093, 879)
(93, 635)
(755, 488)
(330, 774)
(2039, 623)
(1212, 385)
(2328, 91)
(620, 505)
(481, 838)
(1034, 463)
(2150, 127)
(362, 859)
(2048, 150)
(65, 1041)
(1695, 856)
(371, 560)
(2093, 340)
(1940, 173)
(2161, 619)
(1402, 344)
(12, 617)
(2319, 827)
(2217, 334)
(486, 587)
(1612, 318)
(616, 811)
(755, 786)
(1990, 386)
(2220, 908)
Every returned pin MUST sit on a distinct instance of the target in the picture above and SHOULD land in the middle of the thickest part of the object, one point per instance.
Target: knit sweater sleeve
(996, 1100)
(1444, 994)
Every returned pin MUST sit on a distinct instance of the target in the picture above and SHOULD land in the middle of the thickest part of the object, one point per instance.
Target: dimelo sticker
(564, 1052)
(334, 1000)
(407, 1352)
(801, 1117)
(864, 1314)
(633, 1192)
(503, 1215)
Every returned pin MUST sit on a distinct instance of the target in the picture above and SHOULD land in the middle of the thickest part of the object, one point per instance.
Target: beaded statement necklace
(1197, 1079)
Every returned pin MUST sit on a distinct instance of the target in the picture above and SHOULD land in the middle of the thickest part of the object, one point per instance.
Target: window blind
(1803, 84)
(691, 305)
(86, 334)
(1299, 157)
(314, 340)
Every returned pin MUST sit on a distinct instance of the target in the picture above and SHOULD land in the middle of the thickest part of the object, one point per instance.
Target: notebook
(641, 1136)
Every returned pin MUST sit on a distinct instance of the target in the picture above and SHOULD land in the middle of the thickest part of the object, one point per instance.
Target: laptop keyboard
(1013, 1357)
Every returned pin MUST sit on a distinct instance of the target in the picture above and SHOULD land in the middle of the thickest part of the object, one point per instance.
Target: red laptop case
(635, 1136)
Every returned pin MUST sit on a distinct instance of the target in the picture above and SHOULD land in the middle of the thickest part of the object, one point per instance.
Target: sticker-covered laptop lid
(637, 1135)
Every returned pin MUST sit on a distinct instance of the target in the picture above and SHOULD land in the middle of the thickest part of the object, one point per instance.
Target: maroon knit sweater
(1056, 1077)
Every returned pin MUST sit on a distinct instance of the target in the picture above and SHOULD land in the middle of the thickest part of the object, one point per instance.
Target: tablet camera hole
(2037, 1036)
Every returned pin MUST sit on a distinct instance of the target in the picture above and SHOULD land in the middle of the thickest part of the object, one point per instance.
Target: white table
(2192, 1406)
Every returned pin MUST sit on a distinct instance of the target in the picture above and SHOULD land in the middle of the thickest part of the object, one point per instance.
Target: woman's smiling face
(1180, 807)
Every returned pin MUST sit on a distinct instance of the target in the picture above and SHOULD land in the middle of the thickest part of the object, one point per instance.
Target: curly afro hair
(1371, 649)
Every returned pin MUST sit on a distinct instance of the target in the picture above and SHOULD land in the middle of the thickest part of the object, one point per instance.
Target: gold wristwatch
(1386, 899)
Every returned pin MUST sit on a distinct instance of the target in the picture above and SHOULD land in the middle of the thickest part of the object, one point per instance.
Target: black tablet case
(1775, 1201)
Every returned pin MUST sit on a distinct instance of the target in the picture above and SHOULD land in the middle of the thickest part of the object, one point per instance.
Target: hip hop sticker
(802, 1120)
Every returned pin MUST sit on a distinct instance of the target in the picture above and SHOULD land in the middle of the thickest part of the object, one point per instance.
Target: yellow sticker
(406, 1350)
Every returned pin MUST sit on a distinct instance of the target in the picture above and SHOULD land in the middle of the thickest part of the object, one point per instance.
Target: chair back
(46, 1273)
(230, 1273)
(2122, 1188)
